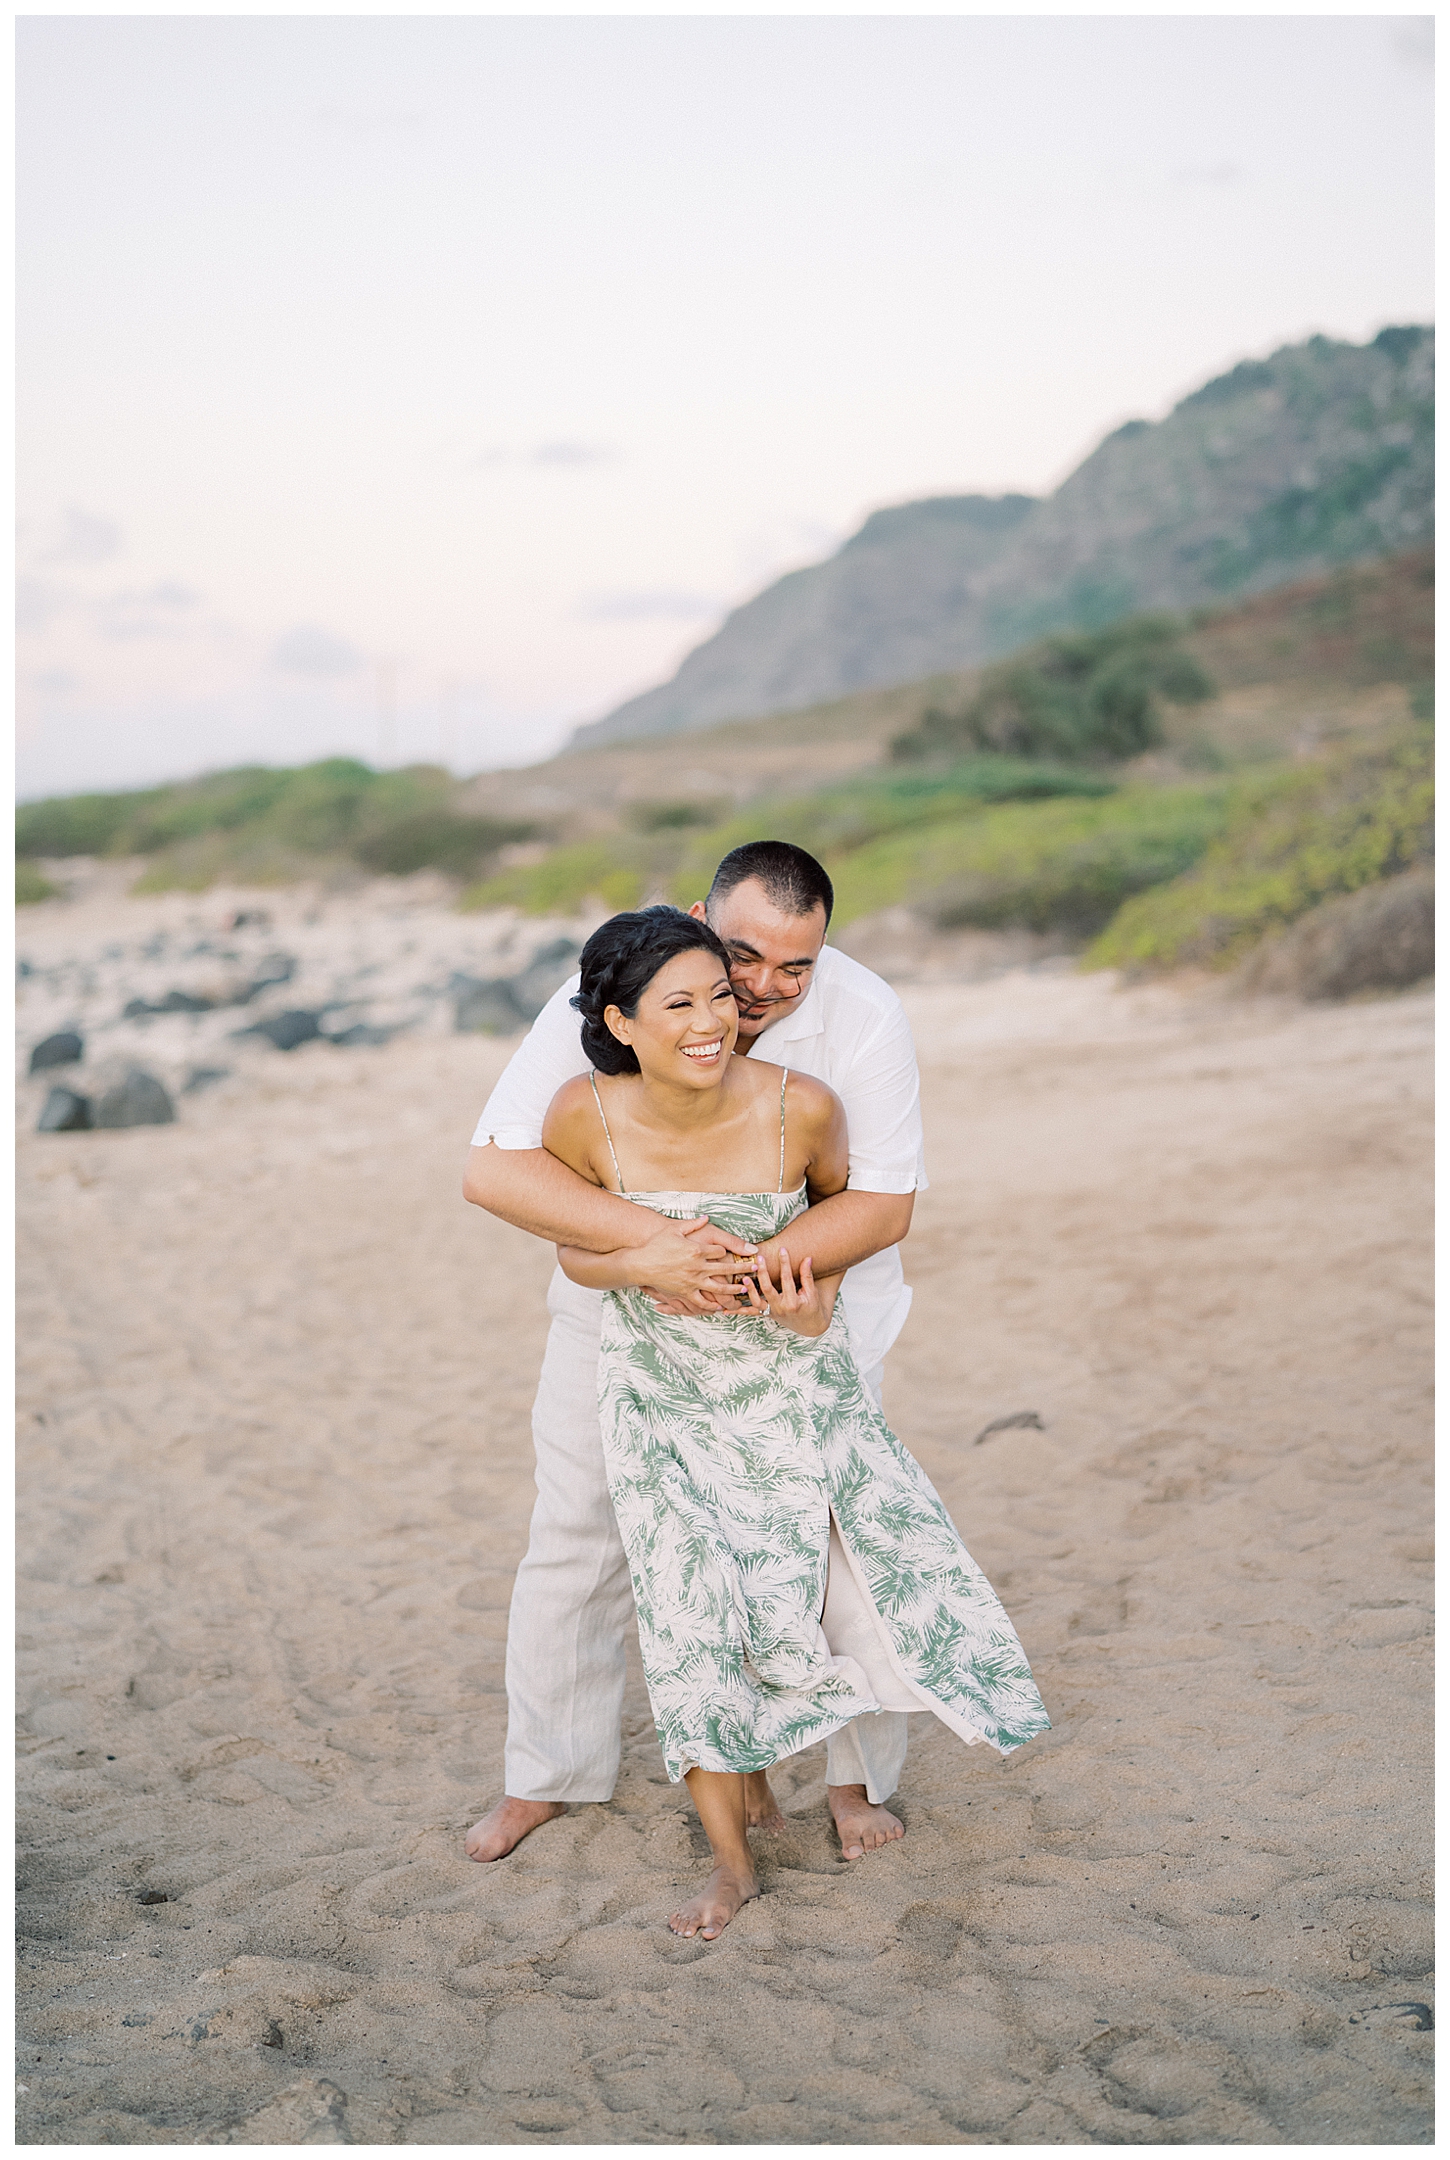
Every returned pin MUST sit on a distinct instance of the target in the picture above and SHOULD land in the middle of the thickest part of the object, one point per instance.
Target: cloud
(664, 606)
(36, 601)
(383, 120)
(569, 453)
(561, 456)
(151, 612)
(1221, 174)
(306, 650)
(83, 538)
(1413, 40)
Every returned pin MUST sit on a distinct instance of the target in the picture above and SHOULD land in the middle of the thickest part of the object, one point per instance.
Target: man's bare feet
(717, 1904)
(861, 1827)
(762, 1810)
(507, 1825)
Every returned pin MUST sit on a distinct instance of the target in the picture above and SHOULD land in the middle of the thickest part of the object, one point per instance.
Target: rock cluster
(138, 1099)
(502, 1004)
(184, 1007)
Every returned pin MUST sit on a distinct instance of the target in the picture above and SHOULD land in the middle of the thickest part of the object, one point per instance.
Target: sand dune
(276, 1475)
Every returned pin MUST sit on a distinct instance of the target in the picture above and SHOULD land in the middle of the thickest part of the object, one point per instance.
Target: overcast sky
(420, 387)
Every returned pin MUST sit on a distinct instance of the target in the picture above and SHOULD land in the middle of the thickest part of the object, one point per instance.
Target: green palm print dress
(729, 1445)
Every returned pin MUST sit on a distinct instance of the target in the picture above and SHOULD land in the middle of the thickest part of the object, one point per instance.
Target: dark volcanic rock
(140, 1099)
(486, 1008)
(65, 1111)
(286, 1029)
(205, 1076)
(63, 1049)
(551, 965)
(362, 1036)
(175, 1001)
(276, 968)
(503, 1004)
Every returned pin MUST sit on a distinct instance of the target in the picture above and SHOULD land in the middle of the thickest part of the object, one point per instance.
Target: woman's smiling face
(684, 1027)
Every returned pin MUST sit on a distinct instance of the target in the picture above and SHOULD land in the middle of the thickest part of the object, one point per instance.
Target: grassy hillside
(1277, 762)
(1289, 840)
(262, 825)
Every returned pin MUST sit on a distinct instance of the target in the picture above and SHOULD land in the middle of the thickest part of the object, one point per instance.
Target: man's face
(772, 956)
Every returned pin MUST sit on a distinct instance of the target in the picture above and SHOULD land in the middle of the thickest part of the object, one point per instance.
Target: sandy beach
(276, 1475)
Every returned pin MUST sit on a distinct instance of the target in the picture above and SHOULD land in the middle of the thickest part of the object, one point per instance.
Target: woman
(792, 1566)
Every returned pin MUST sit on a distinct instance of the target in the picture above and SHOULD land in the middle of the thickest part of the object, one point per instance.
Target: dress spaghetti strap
(780, 1181)
(619, 1181)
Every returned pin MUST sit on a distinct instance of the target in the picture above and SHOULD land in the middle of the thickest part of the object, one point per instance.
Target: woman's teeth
(702, 1053)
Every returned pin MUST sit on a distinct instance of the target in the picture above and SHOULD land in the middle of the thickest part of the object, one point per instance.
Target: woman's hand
(691, 1267)
(805, 1309)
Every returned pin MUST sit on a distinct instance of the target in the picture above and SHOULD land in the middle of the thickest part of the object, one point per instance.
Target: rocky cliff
(1322, 454)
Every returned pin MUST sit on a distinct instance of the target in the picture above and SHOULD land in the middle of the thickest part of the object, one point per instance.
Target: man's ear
(698, 911)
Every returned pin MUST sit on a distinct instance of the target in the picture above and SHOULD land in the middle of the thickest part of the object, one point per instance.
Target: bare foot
(762, 1810)
(508, 1825)
(861, 1827)
(717, 1904)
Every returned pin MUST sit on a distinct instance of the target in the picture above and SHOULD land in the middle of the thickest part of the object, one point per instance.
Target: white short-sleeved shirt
(848, 1029)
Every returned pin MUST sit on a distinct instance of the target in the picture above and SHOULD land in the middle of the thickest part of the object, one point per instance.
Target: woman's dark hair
(619, 963)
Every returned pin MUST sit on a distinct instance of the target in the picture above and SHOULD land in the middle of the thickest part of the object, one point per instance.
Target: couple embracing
(719, 1130)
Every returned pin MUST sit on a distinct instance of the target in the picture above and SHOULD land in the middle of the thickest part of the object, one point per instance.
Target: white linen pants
(572, 1605)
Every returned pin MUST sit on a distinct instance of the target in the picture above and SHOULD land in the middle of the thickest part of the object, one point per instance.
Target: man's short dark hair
(794, 880)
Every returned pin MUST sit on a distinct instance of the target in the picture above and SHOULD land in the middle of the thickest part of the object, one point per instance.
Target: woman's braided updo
(618, 964)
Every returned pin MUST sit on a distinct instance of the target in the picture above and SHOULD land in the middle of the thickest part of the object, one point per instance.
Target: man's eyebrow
(739, 945)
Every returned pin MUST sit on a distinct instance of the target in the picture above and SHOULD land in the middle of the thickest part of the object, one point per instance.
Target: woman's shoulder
(572, 1103)
(806, 1099)
(575, 1094)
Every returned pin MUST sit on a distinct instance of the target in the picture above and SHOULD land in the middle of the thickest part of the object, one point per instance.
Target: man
(816, 1011)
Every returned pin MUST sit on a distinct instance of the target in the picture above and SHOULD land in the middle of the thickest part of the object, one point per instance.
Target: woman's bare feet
(762, 1811)
(508, 1825)
(717, 1904)
(861, 1827)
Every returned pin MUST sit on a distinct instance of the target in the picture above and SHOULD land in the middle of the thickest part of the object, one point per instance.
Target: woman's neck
(678, 1109)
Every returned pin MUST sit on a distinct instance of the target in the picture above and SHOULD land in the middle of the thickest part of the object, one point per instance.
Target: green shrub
(31, 884)
(436, 839)
(1091, 694)
(563, 881)
(1064, 865)
(77, 824)
(652, 817)
(1291, 840)
(845, 817)
(265, 825)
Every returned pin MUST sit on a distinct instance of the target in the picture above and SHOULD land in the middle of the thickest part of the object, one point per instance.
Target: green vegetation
(264, 825)
(1064, 865)
(615, 871)
(652, 817)
(1092, 695)
(1290, 841)
(673, 859)
(31, 885)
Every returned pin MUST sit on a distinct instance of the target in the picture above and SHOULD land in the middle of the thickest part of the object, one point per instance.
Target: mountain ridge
(1320, 454)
